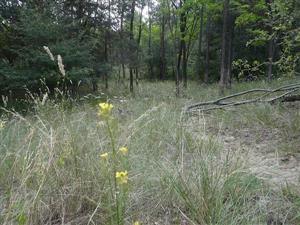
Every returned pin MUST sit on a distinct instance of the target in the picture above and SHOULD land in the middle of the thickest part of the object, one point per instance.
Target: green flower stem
(112, 139)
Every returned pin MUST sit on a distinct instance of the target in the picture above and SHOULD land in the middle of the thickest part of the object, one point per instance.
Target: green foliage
(88, 36)
(246, 19)
(31, 63)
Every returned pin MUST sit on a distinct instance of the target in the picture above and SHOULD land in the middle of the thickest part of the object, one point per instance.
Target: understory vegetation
(215, 168)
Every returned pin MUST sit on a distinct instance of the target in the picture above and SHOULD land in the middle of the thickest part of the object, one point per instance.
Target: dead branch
(265, 96)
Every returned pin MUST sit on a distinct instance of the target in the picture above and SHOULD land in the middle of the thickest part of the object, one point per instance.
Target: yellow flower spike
(136, 223)
(122, 177)
(123, 150)
(105, 109)
(104, 156)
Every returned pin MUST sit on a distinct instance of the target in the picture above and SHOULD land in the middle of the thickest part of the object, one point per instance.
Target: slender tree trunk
(184, 65)
(179, 63)
(271, 44)
(119, 73)
(198, 68)
(123, 71)
(95, 85)
(184, 50)
(106, 60)
(182, 47)
(106, 44)
(131, 40)
(162, 60)
(207, 59)
(138, 47)
(230, 51)
(270, 59)
(174, 50)
(121, 38)
(223, 73)
(150, 64)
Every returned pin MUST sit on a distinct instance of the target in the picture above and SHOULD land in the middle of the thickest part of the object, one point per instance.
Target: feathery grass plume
(61, 65)
(45, 97)
(4, 100)
(49, 52)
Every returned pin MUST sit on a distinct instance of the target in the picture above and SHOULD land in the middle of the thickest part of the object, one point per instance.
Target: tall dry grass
(51, 171)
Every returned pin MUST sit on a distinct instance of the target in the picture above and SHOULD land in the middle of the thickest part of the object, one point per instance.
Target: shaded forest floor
(236, 166)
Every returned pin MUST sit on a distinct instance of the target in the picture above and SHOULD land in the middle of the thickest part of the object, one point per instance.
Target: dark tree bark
(162, 60)
(184, 64)
(131, 40)
(271, 44)
(138, 47)
(270, 59)
(207, 58)
(182, 49)
(173, 28)
(106, 59)
(150, 64)
(106, 44)
(121, 38)
(224, 64)
(230, 50)
(198, 68)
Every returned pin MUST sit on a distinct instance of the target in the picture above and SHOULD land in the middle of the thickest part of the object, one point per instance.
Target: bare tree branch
(264, 97)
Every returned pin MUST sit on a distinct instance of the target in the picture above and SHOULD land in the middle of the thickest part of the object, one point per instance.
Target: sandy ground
(260, 149)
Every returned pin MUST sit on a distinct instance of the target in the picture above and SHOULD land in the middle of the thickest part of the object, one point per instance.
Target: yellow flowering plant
(2, 124)
(115, 166)
(105, 109)
(123, 150)
(122, 177)
(104, 156)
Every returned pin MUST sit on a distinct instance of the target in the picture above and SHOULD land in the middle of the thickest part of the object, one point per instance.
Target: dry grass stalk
(61, 65)
(49, 52)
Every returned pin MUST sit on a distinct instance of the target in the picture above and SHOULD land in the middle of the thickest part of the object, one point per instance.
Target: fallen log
(284, 94)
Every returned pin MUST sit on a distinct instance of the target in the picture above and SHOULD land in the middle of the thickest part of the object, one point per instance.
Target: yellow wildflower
(105, 109)
(123, 150)
(2, 124)
(104, 156)
(122, 177)
(136, 223)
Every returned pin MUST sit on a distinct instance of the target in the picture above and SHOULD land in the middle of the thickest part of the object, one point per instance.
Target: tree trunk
(138, 47)
(198, 68)
(230, 50)
(150, 64)
(174, 50)
(162, 59)
(131, 39)
(207, 59)
(106, 60)
(121, 38)
(95, 85)
(106, 44)
(271, 44)
(270, 59)
(223, 72)
(182, 47)
(184, 65)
